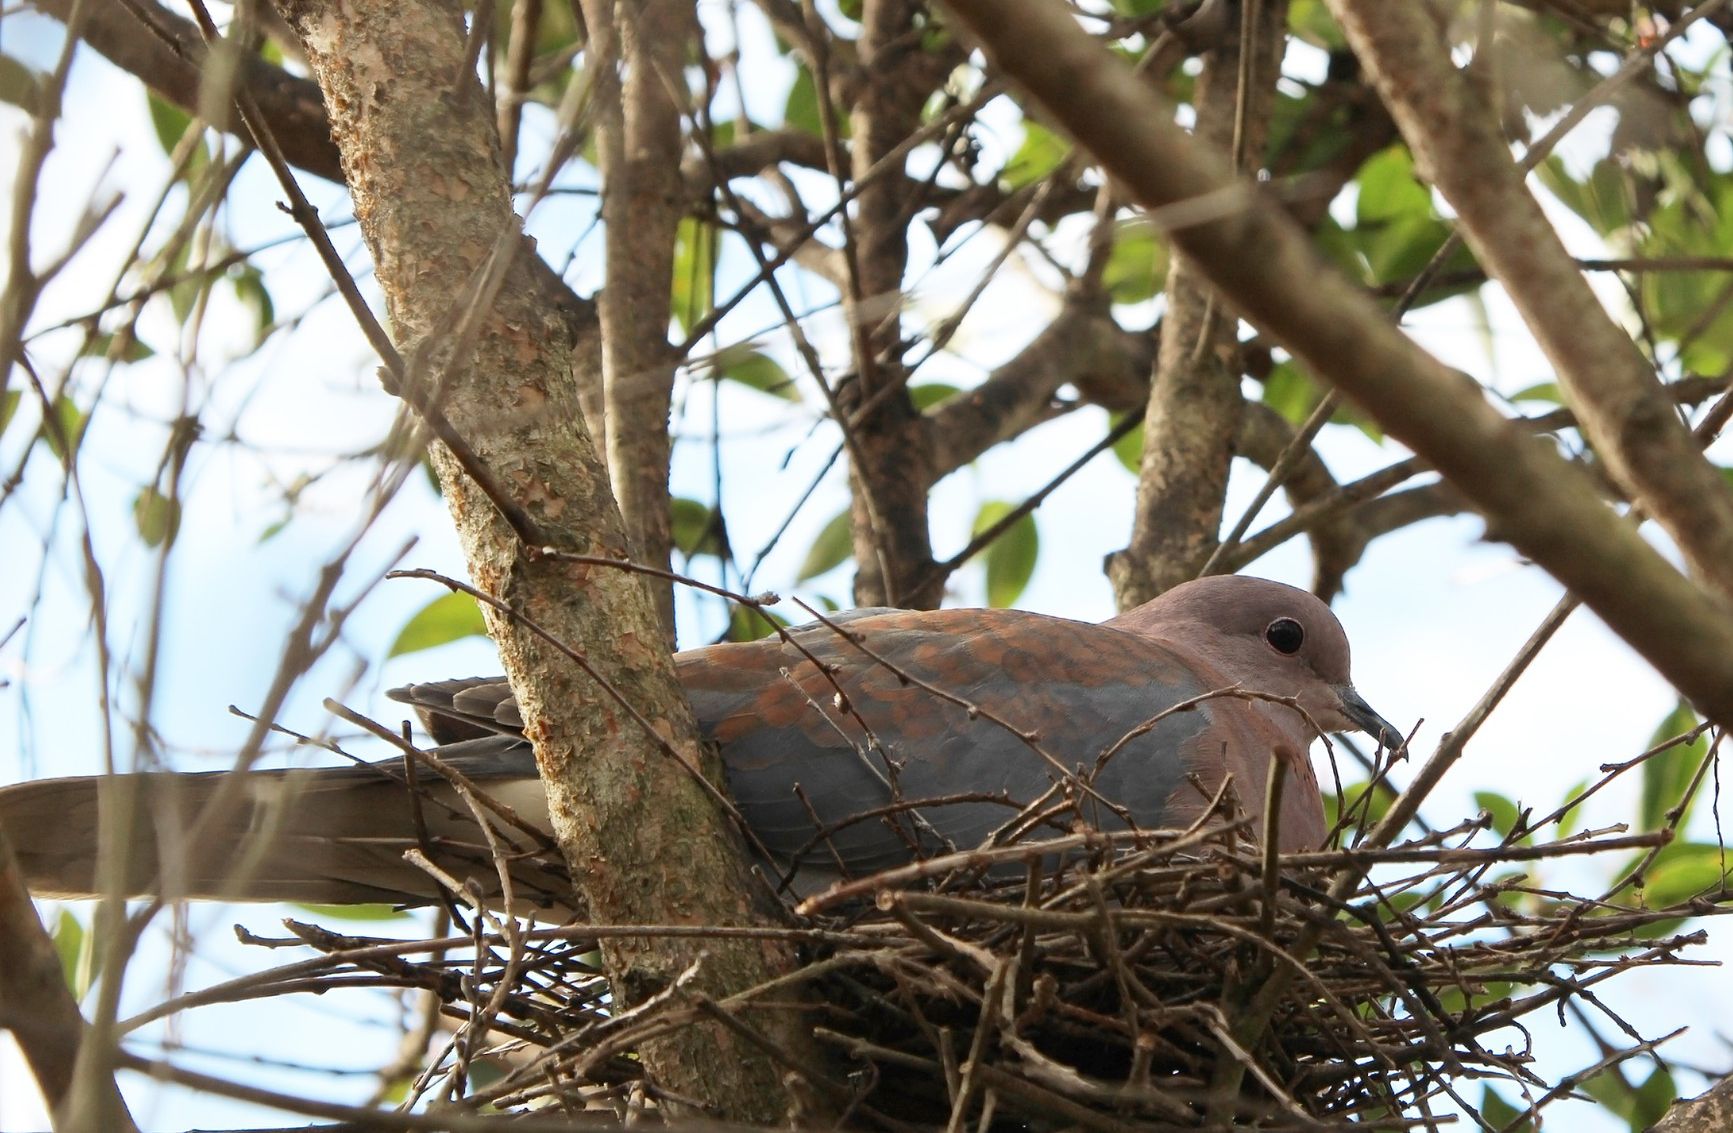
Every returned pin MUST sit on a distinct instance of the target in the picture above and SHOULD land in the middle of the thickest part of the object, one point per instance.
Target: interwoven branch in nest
(1097, 985)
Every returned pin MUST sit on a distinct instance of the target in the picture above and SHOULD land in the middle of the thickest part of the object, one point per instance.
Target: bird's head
(1269, 638)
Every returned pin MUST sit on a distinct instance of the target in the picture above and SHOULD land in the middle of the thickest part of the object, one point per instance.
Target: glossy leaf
(353, 912)
(157, 517)
(80, 962)
(447, 618)
(1010, 558)
(696, 527)
(1501, 1115)
(1540, 391)
(1128, 450)
(694, 272)
(832, 548)
(1137, 266)
(757, 371)
(67, 428)
(249, 285)
(1504, 812)
(747, 624)
(1667, 775)
(124, 348)
(928, 394)
(1041, 153)
(1685, 870)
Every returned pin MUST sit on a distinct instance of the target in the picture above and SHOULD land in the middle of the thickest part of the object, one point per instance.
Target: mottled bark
(1194, 402)
(1708, 1112)
(891, 473)
(637, 56)
(644, 840)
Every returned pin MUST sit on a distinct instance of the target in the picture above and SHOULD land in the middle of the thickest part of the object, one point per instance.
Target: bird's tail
(325, 836)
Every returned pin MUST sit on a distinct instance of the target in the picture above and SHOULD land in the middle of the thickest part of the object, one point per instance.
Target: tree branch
(1263, 263)
(637, 55)
(435, 208)
(1195, 404)
(1625, 413)
(38, 1008)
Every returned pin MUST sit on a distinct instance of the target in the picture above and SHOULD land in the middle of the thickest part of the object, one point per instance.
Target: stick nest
(1156, 981)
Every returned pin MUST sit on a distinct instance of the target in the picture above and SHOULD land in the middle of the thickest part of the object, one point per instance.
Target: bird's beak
(1368, 721)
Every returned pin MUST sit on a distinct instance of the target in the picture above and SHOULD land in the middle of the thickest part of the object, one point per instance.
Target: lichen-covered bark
(637, 60)
(417, 138)
(1195, 404)
(892, 465)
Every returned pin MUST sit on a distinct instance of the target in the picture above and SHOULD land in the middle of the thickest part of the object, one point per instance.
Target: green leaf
(19, 85)
(1667, 775)
(352, 912)
(1640, 1105)
(1311, 22)
(832, 548)
(1010, 557)
(1685, 870)
(1572, 818)
(80, 963)
(249, 284)
(747, 624)
(157, 517)
(1041, 153)
(1499, 1114)
(1128, 450)
(1389, 190)
(66, 430)
(1290, 391)
(1540, 391)
(8, 407)
(1603, 200)
(447, 618)
(169, 121)
(756, 371)
(1137, 266)
(928, 394)
(121, 348)
(1350, 803)
(1504, 812)
(694, 272)
(800, 111)
(697, 528)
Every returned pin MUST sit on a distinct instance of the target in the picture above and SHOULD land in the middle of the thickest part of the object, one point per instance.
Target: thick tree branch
(38, 1008)
(435, 208)
(1263, 263)
(637, 55)
(1194, 402)
(1457, 145)
(1708, 1112)
(891, 473)
(1082, 346)
(167, 54)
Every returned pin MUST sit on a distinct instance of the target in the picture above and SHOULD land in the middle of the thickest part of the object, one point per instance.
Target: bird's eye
(1286, 635)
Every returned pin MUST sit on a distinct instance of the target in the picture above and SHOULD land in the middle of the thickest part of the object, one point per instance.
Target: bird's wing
(974, 715)
(857, 745)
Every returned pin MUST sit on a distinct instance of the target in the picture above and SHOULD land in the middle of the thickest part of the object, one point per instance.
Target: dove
(851, 745)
